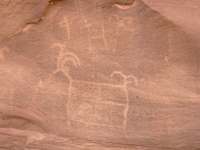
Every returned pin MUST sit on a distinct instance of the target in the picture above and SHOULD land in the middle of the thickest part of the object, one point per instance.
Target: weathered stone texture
(99, 74)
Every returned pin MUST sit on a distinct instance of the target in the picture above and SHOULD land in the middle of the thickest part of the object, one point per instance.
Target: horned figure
(126, 81)
(63, 58)
(126, 78)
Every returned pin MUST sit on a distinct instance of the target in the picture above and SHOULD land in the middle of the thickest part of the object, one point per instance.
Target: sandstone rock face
(99, 74)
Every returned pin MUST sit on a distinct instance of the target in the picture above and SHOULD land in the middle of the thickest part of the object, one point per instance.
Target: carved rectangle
(84, 91)
(100, 93)
(98, 104)
(115, 95)
(100, 114)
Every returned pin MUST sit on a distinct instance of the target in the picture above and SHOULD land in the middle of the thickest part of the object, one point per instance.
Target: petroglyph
(117, 24)
(125, 83)
(96, 83)
(92, 113)
(2, 53)
(120, 22)
(94, 36)
(95, 29)
(112, 33)
(92, 99)
(126, 78)
(66, 24)
(62, 59)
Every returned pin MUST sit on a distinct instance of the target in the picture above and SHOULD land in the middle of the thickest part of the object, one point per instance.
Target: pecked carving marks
(100, 104)
(63, 58)
(88, 101)
(91, 113)
(93, 34)
(126, 81)
(66, 24)
(97, 30)
(112, 34)
(121, 22)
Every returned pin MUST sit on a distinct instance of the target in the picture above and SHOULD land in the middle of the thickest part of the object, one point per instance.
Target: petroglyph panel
(103, 72)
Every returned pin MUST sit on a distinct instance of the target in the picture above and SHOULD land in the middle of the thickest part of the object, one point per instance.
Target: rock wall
(99, 74)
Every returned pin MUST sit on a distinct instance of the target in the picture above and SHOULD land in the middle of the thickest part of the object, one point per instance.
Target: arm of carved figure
(61, 48)
(11, 111)
(123, 6)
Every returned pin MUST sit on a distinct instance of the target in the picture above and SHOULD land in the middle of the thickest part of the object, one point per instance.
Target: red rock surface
(99, 74)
